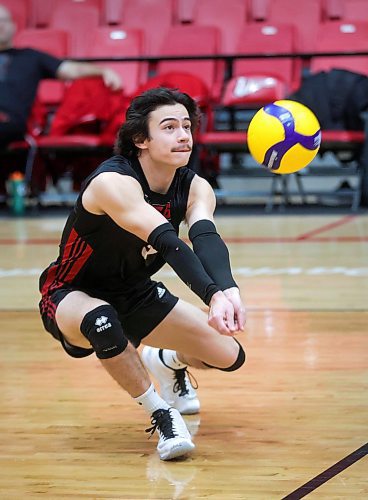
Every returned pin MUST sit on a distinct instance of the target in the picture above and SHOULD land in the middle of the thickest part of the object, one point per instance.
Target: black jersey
(20, 73)
(98, 256)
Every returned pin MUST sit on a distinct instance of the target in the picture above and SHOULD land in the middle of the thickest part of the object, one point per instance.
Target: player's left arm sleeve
(212, 252)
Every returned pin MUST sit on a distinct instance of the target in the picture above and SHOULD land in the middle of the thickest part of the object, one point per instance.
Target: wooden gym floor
(291, 422)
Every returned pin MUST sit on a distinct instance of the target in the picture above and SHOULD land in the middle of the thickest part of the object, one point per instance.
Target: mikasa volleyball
(284, 136)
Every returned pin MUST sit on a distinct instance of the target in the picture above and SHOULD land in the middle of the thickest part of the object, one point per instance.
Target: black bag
(336, 97)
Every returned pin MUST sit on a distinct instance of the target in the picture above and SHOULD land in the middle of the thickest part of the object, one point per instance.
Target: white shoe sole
(191, 408)
(182, 447)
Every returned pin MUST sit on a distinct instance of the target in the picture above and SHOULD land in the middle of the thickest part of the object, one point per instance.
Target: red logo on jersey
(165, 210)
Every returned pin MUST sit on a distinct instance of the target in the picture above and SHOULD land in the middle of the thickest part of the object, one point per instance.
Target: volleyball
(284, 136)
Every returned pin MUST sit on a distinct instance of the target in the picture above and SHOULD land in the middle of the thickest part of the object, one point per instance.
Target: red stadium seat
(345, 10)
(355, 10)
(119, 42)
(304, 16)
(112, 12)
(147, 15)
(253, 90)
(40, 13)
(78, 19)
(285, 72)
(185, 82)
(55, 42)
(258, 10)
(190, 40)
(152, 17)
(229, 17)
(332, 10)
(18, 10)
(338, 36)
(184, 11)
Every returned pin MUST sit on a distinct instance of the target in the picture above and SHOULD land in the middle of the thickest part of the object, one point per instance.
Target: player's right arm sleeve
(184, 262)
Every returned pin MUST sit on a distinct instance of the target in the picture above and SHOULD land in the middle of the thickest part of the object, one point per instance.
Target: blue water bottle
(17, 193)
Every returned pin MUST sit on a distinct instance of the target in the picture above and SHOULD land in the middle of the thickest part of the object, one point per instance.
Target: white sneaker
(174, 438)
(175, 386)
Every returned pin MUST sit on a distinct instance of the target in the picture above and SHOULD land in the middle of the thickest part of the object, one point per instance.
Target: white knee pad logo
(102, 324)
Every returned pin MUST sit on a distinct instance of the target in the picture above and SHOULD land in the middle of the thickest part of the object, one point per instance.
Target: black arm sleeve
(212, 252)
(184, 262)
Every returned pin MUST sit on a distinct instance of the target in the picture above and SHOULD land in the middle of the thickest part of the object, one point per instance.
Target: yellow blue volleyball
(284, 136)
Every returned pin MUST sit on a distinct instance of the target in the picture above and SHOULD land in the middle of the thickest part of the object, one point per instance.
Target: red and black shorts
(139, 312)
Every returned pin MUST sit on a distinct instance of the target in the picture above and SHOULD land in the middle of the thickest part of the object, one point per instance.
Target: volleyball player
(98, 296)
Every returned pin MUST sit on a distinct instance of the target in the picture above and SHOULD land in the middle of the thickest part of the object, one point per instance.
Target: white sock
(151, 401)
(171, 359)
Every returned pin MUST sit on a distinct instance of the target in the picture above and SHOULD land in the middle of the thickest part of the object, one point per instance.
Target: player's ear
(140, 143)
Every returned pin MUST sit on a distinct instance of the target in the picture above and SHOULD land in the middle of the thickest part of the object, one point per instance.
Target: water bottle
(17, 190)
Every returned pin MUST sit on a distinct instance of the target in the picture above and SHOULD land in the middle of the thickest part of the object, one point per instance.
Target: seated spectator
(20, 73)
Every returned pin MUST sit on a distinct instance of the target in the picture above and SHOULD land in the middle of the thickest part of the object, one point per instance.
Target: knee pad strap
(102, 328)
(240, 360)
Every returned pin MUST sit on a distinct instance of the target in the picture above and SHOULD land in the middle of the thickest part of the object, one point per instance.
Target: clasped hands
(227, 312)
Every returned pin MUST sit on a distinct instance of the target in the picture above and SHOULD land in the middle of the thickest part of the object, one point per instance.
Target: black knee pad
(240, 360)
(102, 328)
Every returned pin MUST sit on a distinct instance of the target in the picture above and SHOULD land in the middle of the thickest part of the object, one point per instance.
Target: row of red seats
(40, 14)
(306, 17)
(253, 83)
(154, 17)
(191, 40)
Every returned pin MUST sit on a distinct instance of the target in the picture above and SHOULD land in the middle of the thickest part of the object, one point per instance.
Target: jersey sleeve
(48, 64)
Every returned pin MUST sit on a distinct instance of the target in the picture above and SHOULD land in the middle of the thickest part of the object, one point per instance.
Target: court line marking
(326, 227)
(30, 241)
(328, 474)
(263, 271)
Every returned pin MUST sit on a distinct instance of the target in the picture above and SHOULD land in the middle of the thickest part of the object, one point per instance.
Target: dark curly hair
(135, 128)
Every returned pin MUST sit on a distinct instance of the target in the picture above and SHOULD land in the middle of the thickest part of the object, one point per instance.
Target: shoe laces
(180, 384)
(162, 420)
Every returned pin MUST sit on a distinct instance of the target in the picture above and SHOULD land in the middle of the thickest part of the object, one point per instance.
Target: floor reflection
(178, 473)
(193, 422)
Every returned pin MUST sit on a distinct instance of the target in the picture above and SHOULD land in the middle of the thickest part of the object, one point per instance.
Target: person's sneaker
(174, 438)
(175, 385)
